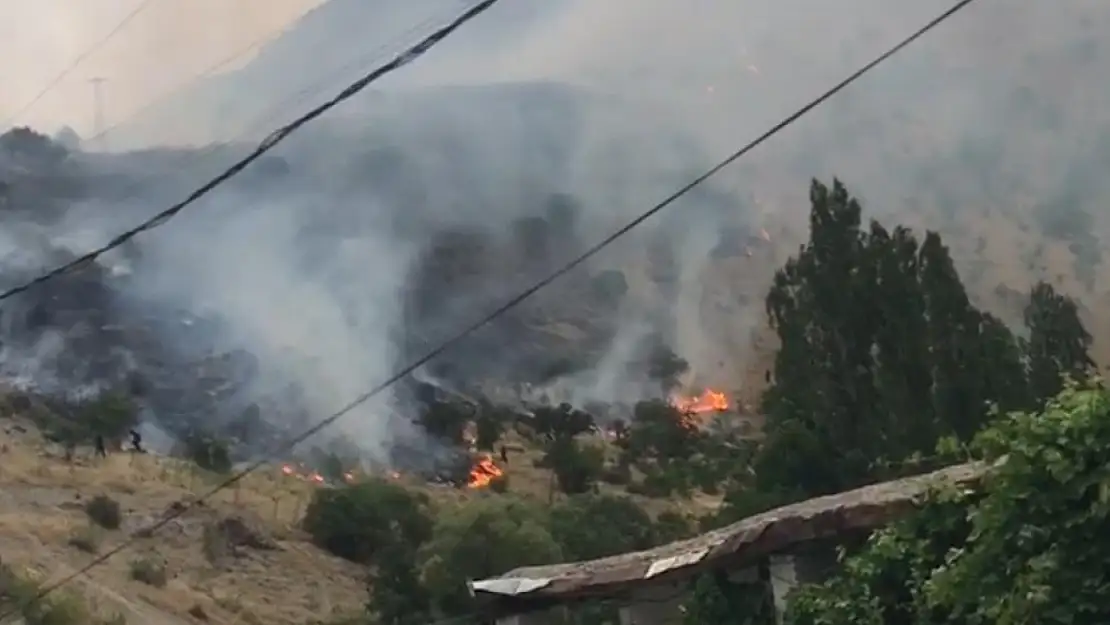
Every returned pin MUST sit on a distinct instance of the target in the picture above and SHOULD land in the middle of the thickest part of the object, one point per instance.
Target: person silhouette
(100, 450)
(137, 442)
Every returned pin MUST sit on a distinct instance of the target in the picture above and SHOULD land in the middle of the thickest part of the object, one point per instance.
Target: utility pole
(98, 110)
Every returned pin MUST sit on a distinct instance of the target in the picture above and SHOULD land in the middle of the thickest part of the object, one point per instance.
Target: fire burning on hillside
(484, 472)
(697, 409)
(289, 470)
(303, 473)
(708, 401)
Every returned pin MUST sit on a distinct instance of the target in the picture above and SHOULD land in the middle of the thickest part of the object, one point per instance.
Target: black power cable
(178, 511)
(265, 146)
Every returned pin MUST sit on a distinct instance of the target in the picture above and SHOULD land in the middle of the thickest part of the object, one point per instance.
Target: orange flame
(289, 470)
(708, 401)
(484, 472)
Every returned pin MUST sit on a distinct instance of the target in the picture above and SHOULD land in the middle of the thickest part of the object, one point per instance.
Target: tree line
(885, 368)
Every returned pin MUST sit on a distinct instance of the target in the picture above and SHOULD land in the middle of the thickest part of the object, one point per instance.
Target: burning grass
(42, 508)
(484, 473)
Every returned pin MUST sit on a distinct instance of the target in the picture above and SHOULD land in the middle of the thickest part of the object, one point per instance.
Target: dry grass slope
(288, 581)
(240, 558)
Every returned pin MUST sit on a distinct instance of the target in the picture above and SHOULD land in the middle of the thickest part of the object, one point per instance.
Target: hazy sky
(165, 45)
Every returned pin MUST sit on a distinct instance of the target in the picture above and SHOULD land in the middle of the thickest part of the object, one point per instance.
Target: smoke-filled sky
(614, 102)
(713, 55)
(166, 44)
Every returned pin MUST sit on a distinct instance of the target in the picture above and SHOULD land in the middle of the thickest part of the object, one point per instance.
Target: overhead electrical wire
(176, 512)
(267, 144)
(296, 97)
(273, 111)
(81, 58)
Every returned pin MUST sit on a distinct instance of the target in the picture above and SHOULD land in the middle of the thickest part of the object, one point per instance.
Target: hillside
(982, 142)
(41, 515)
(376, 233)
(241, 557)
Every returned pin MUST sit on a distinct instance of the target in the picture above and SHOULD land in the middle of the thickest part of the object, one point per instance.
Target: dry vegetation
(237, 559)
(240, 558)
(528, 481)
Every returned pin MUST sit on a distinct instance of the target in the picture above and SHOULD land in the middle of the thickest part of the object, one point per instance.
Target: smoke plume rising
(418, 206)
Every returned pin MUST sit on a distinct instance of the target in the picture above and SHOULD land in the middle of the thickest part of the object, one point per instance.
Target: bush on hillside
(577, 467)
(208, 453)
(357, 521)
(1029, 545)
(150, 572)
(19, 594)
(105, 512)
(110, 415)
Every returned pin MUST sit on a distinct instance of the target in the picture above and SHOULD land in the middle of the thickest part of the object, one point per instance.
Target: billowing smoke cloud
(413, 209)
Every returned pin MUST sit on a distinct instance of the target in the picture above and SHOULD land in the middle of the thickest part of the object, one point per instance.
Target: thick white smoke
(616, 103)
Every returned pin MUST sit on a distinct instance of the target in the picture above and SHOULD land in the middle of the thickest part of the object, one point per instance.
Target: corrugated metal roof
(737, 545)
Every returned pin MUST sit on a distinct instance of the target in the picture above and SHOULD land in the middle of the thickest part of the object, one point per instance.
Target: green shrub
(19, 593)
(110, 414)
(149, 571)
(356, 521)
(208, 453)
(105, 512)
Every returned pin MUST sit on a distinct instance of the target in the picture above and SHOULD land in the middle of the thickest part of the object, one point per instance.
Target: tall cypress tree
(823, 401)
(881, 353)
(901, 342)
(1059, 345)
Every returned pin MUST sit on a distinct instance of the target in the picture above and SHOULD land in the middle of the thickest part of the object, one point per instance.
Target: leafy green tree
(881, 354)
(357, 521)
(716, 599)
(661, 365)
(208, 452)
(109, 414)
(1058, 345)
(595, 526)
(335, 461)
(445, 420)
(32, 148)
(671, 526)
(397, 593)
(659, 430)
(562, 421)
(1028, 546)
(483, 538)
(489, 424)
(577, 467)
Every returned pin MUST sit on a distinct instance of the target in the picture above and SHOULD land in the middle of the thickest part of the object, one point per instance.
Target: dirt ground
(42, 508)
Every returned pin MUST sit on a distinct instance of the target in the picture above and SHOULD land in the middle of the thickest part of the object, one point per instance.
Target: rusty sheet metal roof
(741, 543)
